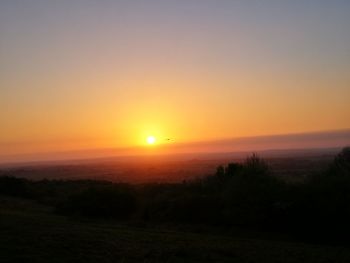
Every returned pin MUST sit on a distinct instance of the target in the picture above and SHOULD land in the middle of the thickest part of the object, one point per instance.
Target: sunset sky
(82, 74)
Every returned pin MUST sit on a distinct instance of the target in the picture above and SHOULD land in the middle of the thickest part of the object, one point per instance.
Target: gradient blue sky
(93, 74)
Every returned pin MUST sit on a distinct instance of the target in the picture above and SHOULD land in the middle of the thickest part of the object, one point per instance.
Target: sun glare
(151, 140)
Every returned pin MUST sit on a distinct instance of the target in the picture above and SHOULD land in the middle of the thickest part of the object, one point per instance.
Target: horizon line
(181, 146)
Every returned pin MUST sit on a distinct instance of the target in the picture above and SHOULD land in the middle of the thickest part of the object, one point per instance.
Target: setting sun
(151, 140)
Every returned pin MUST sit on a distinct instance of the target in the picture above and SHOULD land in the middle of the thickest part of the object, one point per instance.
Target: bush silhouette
(341, 163)
(254, 165)
(13, 186)
(320, 207)
(109, 201)
(251, 194)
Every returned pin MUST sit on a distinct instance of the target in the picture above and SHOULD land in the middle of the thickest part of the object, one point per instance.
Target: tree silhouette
(341, 163)
(254, 165)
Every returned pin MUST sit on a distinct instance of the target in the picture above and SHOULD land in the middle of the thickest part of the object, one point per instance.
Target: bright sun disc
(151, 139)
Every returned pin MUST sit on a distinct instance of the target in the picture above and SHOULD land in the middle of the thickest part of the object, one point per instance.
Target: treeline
(245, 195)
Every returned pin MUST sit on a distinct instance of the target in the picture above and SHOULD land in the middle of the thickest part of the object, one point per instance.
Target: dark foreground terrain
(32, 233)
(243, 212)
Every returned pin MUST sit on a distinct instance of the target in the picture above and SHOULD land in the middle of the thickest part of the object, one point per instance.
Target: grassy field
(32, 233)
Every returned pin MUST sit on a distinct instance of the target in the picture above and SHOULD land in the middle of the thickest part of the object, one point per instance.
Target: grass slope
(32, 233)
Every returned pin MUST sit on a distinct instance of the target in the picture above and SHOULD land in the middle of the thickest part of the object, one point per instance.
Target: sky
(82, 74)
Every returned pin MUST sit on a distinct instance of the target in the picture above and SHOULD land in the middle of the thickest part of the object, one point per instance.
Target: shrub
(13, 186)
(113, 201)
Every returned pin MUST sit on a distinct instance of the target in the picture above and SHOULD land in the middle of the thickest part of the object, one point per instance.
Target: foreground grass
(32, 233)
